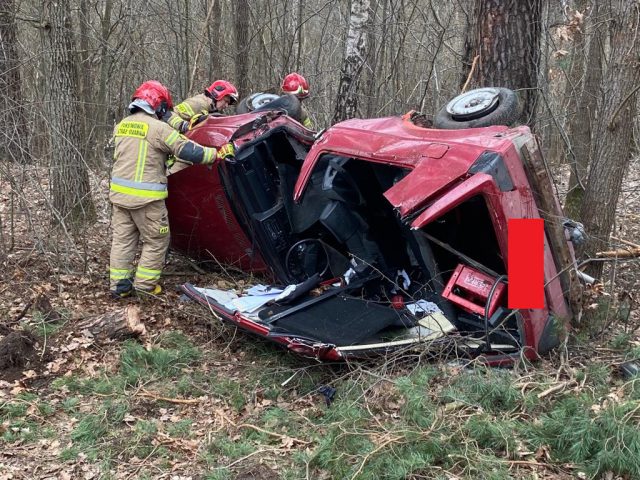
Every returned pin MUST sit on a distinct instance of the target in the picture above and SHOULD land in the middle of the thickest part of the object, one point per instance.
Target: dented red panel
(441, 155)
(430, 177)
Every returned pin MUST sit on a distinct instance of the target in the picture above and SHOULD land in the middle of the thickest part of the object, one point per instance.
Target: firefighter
(218, 96)
(296, 84)
(143, 143)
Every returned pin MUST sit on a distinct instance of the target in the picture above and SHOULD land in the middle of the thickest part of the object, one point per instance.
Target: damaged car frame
(388, 234)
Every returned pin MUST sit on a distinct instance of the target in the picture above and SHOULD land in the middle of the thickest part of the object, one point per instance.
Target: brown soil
(256, 472)
(17, 353)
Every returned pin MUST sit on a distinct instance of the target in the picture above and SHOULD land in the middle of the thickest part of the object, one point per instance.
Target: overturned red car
(374, 235)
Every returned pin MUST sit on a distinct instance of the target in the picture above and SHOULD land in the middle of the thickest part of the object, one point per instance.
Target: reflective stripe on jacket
(142, 146)
(182, 113)
(305, 119)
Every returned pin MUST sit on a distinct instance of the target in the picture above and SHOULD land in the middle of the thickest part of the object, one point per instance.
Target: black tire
(242, 106)
(505, 112)
(287, 103)
(254, 101)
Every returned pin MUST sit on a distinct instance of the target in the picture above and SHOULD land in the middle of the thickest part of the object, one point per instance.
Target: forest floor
(196, 399)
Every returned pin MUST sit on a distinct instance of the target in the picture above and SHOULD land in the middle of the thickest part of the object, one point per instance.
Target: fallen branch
(626, 242)
(556, 388)
(186, 401)
(273, 434)
(620, 253)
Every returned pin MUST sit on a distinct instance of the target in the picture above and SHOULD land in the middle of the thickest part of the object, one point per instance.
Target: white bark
(354, 60)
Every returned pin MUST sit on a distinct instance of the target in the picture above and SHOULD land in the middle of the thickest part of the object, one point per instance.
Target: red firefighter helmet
(154, 93)
(221, 88)
(295, 84)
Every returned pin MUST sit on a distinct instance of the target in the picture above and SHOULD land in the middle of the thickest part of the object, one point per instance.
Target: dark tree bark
(215, 42)
(14, 132)
(506, 40)
(69, 176)
(582, 123)
(356, 48)
(611, 141)
(241, 19)
(103, 127)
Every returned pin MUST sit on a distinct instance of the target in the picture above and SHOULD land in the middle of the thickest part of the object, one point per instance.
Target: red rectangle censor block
(526, 263)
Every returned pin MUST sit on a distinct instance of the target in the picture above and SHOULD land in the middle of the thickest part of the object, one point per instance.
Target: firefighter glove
(196, 119)
(226, 151)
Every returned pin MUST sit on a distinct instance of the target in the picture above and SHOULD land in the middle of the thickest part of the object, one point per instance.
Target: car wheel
(257, 100)
(482, 107)
(287, 103)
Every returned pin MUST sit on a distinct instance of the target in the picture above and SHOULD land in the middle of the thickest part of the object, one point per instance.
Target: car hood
(435, 157)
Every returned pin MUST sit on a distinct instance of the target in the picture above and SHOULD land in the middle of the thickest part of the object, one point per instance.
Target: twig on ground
(187, 401)
(22, 313)
(556, 388)
(626, 242)
(273, 434)
(373, 452)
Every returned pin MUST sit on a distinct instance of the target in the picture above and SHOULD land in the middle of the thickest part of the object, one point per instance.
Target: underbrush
(177, 400)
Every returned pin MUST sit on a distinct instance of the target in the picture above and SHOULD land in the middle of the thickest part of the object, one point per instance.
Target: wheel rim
(474, 104)
(257, 100)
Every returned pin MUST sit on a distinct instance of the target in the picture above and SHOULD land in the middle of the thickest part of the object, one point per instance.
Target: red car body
(397, 187)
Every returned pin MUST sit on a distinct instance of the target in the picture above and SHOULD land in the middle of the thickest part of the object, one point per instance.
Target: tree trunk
(13, 122)
(611, 144)
(583, 122)
(215, 42)
(116, 325)
(241, 19)
(354, 59)
(506, 40)
(299, 35)
(102, 106)
(69, 176)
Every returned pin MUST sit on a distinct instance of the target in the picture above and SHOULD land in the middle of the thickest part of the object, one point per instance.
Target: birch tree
(354, 61)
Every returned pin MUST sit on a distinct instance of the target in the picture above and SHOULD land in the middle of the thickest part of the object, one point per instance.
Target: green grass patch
(105, 384)
(180, 429)
(25, 431)
(492, 433)
(492, 390)
(418, 409)
(230, 391)
(231, 449)
(167, 360)
(40, 326)
(606, 439)
(622, 341)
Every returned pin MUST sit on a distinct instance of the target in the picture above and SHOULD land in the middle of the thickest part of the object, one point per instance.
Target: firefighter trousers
(148, 224)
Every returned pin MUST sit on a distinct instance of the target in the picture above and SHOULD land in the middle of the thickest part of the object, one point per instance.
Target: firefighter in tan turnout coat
(218, 96)
(143, 144)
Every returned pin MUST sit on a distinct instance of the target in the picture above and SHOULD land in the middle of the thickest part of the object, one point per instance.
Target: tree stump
(117, 325)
